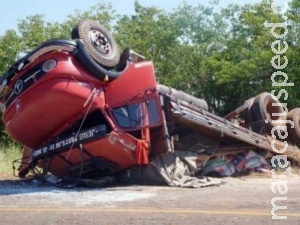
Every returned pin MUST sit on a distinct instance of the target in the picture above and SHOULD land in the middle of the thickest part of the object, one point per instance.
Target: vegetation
(223, 56)
(7, 155)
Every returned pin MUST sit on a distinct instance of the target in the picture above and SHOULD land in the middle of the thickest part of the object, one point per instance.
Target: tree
(9, 52)
(103, 13)
(245, 67)
(151, 33)
(292, 39)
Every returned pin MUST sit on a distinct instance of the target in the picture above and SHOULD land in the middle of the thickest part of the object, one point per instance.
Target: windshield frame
(136, 115)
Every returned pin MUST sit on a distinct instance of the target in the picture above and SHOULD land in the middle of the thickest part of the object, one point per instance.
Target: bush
(9, 153)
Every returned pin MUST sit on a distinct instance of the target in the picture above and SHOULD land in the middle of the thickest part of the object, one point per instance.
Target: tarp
(191, 169)
(170, 169)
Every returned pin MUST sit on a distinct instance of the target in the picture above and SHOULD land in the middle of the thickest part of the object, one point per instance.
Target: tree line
(223, 55)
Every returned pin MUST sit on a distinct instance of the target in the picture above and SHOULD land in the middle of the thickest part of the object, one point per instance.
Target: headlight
(49, 65)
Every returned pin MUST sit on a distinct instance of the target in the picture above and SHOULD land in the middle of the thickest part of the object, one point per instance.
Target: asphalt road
(239, 201)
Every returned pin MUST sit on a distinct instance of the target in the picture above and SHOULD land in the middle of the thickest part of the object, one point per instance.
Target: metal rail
(186, 113)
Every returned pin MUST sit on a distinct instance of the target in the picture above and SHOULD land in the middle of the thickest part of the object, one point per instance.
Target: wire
(83, 120)
(60, 184)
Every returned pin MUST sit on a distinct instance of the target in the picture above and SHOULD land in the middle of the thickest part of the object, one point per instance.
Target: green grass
(7, 156)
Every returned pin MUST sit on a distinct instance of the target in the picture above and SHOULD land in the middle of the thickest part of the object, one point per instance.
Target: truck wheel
(263, 109)
(294, 133)
(98, 42)
(248, 114)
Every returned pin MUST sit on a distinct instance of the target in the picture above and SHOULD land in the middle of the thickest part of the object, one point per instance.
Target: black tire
(74, 32)
(98, 42)
(198, 102)
(92, 66)
(123, 59)
(294, 133)
(263, 109)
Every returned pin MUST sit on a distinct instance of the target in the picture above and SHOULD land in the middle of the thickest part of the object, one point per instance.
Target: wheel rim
(100, 42)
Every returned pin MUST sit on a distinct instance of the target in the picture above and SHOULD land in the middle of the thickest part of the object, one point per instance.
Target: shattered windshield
(136, 115)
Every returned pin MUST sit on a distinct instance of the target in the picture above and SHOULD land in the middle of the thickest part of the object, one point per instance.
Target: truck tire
(198, 102)
(74, 32)
(93, 67)
(98, 42)
(248, 113)
(294, 133)
(263, 109)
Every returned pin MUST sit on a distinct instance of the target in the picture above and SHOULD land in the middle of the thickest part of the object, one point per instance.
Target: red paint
(64, 96)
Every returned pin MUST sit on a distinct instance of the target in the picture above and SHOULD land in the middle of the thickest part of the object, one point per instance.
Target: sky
(57, 10)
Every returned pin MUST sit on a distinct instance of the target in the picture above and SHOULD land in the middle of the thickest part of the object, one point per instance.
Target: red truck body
(73, 122)
(55, 111)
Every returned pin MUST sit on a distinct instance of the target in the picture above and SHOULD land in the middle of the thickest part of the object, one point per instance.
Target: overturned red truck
(82, 110)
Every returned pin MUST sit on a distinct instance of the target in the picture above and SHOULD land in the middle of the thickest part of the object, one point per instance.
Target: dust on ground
(241, 200)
